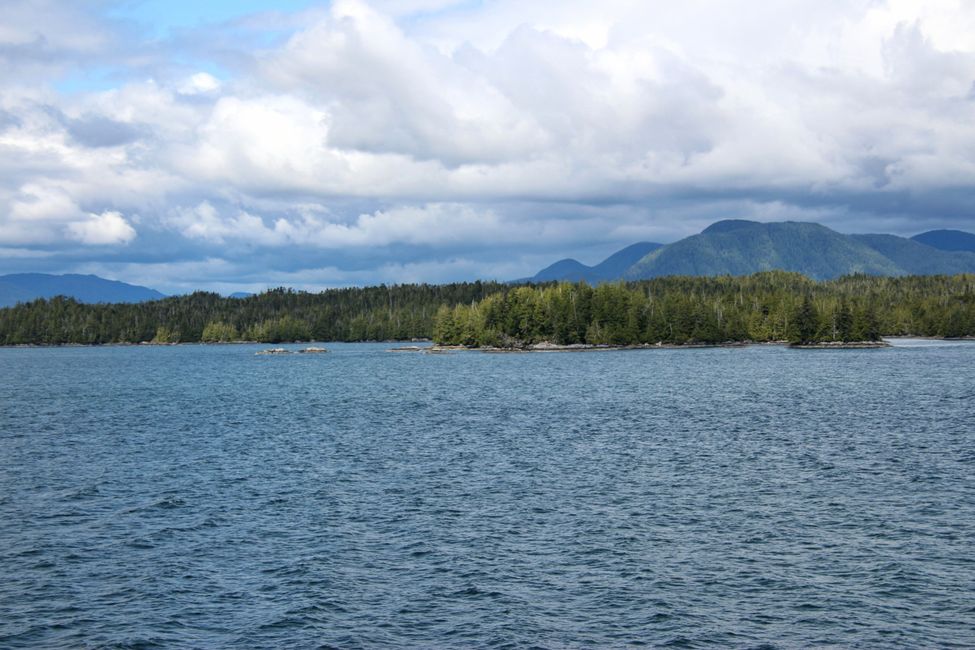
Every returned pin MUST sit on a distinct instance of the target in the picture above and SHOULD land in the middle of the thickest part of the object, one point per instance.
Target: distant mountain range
(738, 247)
(732, 247)
(24, 287)
(948, 240)
(612, 268)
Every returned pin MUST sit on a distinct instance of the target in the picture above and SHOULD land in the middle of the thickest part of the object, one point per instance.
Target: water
(201, 496)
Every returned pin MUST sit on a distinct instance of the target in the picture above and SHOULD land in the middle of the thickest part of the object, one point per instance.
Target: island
(779, 308)
(853, 311)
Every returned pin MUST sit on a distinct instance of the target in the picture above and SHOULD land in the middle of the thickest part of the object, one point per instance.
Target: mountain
(947, 240)
(24, 287)
(567, 269)
(611, 268)
(614, 266)
(914, 258)
(738, 247)
(240, 294)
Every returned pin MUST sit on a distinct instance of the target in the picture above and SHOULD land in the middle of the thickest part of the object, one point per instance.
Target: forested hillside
(772, 306)
(371, 313)
(947, 240)
(738, 247)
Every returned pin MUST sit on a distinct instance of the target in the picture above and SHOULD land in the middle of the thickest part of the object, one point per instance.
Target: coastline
(409, 345)
(841, 345)
(202, 343)
(931, 338)
(588, 347)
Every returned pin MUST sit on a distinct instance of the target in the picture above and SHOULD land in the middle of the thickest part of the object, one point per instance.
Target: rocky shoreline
(546, 346)
(543, 346)
(841, 345)
(309, 350)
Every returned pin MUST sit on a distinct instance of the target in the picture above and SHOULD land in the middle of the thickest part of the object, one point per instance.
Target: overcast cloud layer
(430, 140)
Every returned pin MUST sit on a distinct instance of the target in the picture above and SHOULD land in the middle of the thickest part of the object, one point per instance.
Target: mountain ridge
(572, 270)
(947, 240)
(742, 247)
(24, 287)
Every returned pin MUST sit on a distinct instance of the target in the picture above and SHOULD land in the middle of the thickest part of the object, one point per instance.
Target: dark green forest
(681, 310)
(770, 306)
(279, 315)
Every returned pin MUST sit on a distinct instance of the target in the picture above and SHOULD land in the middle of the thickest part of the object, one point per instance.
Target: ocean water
(202, 496)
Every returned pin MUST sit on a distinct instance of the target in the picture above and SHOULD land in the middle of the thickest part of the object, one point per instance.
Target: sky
(239, 145)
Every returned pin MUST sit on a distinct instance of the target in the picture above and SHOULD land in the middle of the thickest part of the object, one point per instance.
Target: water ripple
(756, 498)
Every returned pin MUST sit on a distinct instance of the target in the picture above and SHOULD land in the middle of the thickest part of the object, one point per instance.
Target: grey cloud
(8, 119)
(876, 168)
(37, 50)
(926, 71)
(43, 38)
(544, 144)
(100, 131)
(27, 62)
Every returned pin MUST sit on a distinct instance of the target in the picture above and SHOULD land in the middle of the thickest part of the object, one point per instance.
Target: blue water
(202, 496)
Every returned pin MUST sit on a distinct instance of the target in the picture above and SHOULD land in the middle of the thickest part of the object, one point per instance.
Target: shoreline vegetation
(854, 311)
(679, 311)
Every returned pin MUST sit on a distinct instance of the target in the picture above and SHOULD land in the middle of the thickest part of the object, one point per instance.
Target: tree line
(279, 315)
(770, 306)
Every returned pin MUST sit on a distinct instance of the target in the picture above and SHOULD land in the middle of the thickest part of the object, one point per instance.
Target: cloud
(204, 222)
(389, 94)
(398, 138)
(437, 224)
(99, 131)
(199, 83)
(102, 229)
(434, 225)
(40, 39)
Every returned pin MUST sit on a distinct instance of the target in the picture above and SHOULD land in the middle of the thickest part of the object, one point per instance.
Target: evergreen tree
(806, 322)
(768, 306)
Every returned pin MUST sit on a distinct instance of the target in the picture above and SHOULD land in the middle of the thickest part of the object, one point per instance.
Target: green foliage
(165, 335)
(355, 314)
(278, 330)
(807, 326)
(770, 306)
(744, 247)
(219, 332)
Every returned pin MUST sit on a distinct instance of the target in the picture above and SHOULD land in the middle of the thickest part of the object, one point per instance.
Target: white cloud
(199, 83)
(102, 229)
(447, 127)
(36, 214)
(436, 224)
(387, 93)
(206, 223)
